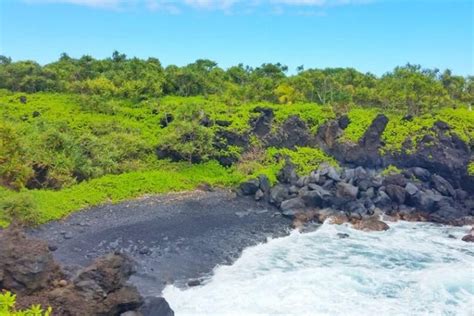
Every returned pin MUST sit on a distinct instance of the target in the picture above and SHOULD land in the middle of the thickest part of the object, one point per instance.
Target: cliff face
(439, 151)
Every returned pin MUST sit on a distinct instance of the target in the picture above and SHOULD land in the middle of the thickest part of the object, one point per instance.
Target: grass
(171, 177)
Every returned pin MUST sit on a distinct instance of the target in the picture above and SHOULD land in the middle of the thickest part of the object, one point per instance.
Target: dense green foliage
(409, 88)
(7, 307)
(80, 132)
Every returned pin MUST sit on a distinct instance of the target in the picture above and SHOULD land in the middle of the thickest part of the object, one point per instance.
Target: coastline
(174, 238)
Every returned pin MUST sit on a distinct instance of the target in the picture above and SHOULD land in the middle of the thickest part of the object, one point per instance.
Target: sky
(369, 35)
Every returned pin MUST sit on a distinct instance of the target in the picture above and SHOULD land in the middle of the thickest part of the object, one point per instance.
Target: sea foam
(411, 269)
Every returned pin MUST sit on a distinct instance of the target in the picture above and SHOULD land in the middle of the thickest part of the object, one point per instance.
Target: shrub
(390, 170)
(470, 168)
(7, 307)
(20, 207)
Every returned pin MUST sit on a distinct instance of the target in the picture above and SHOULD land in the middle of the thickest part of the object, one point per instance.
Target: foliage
(360, 120)
(7, 307)
(408, 88)
(390, 170)
(167, 177)
(470, 168)
(21, 207)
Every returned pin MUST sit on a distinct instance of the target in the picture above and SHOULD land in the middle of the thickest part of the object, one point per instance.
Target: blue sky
(370, 35)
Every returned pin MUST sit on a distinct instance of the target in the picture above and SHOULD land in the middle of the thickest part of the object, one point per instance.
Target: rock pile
(360, 194)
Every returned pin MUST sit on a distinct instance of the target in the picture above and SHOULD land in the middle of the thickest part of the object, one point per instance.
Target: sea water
(411, 269)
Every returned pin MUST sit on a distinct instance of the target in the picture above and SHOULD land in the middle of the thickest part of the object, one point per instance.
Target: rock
(52, 247)
(23, 99)
(223, 123)
(396, 193)
(315, 197)
(144, 251)
(337, 219)
(26, 265)
(278, 194)
(195, 282)
(99, 289)
(109, 272)
(468, 238)
(356, 207)
(166, 119)
(346, 191)
(411, 189)
(395, 179)
(342, 235)
(421, 173)
(287, 174)
(382, 200)
(68, 235)
(250, 187)
(333, 174)
(302, 181)
(293, 189)
(259, 195)
(442, 125)
(262, 125)
(293, 132)
(264, 183)
(425, 200)
(442, 186)
(294, 203)
(156, 306)
(371, 224)
(461, 194)
(343, 121)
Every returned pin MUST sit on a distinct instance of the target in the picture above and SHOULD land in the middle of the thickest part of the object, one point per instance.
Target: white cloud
(176, 6)
(88, 3)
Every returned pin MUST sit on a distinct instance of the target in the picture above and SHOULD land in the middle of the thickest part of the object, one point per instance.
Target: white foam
(411, 269)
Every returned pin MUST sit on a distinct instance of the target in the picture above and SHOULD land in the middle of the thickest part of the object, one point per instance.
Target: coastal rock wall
(360, 194)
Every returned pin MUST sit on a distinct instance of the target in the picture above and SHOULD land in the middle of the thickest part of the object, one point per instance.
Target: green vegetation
(409, 88)
(391, 170)
(80, 132)
(7, 307)
(49, 204)
(470, 168)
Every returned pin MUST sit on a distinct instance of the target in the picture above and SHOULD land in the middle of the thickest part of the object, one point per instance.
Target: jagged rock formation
(28, 269)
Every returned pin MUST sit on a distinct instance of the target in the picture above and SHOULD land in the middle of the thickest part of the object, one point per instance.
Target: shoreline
(176, 238)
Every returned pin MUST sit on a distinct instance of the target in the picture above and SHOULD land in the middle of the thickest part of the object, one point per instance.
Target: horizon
(347, 34)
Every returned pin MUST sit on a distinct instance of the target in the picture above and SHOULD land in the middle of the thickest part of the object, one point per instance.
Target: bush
(7, 307)
(19, 207)
(391, 170)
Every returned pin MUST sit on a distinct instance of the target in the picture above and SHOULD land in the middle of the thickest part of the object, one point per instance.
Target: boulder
(287, 174)
(396, 193)
(395, 179)
(421, 173)
(293, 132)
(425, 200)
(250, 187)
(259, 195)
(382, 200)
(264, 183)
(442, 186)
(292, 204)
(278, 194)
(346, 191)
(155, 306)
(26, 265)
(262, 125)
(314, 197)
(411, 189)
(370, 224)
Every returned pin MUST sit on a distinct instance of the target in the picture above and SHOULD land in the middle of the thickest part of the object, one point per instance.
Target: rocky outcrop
(27, 268)
(438, 152)
(360, 195)
(364, 153)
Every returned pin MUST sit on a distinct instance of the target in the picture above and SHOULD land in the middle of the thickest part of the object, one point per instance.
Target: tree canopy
(409, 88)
